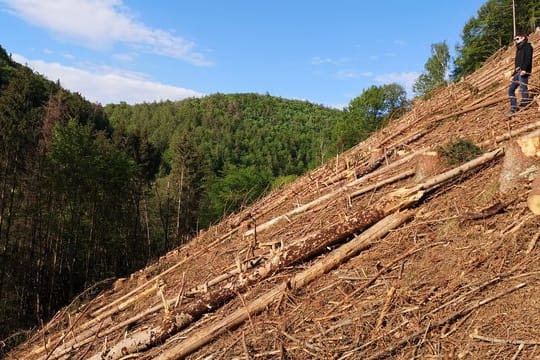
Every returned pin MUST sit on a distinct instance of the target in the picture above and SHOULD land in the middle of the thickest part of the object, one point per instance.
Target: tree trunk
(179, 204)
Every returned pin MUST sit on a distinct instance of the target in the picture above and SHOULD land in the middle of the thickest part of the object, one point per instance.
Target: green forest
(89, 193)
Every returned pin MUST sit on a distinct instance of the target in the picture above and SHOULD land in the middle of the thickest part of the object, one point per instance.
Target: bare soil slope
(383, 252)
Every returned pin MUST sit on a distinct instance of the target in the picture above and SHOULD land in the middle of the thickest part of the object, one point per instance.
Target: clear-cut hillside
(383, 252)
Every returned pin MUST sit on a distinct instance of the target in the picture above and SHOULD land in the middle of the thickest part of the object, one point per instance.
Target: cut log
(334, 194)
(298, 281)
(377, 158)
(191, 312)
(519, 155)
(427, 165)
(407, 196)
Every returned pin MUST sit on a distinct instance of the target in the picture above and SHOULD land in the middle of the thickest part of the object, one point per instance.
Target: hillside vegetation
(223, 151)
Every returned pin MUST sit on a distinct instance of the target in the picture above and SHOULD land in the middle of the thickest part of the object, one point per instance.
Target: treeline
(225, 150)
(490, 30)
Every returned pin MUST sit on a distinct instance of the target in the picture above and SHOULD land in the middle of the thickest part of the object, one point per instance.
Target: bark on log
(341, 255)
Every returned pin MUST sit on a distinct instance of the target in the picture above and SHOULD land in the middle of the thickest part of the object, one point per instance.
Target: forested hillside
(222, 151)
(419, 242)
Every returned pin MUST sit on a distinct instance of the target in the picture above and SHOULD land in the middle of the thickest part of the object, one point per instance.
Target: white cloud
(317, 60)
(406, 79)
(353, 74)
(108, 86)
(102, 23)
(124, 57)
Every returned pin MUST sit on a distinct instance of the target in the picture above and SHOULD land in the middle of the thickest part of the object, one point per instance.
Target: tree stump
(427, 165)
(519, 155)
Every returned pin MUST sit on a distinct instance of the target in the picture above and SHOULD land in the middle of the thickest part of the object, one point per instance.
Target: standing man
(522, 70)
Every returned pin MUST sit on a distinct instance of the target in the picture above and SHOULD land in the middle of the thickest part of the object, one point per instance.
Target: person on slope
(522, 70)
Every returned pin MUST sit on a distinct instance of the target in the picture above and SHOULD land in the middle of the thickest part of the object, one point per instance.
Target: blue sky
(326, 52)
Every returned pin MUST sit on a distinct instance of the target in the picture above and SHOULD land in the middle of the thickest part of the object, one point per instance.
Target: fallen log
(511, 134)
(343, 189)
(405, 197)
(179, 319)
(298, 281)
(390, 180)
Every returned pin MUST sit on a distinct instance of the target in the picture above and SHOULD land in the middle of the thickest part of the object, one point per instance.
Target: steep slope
(373, 255)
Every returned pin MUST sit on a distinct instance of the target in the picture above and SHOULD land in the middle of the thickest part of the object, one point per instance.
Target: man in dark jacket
(522, 70)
